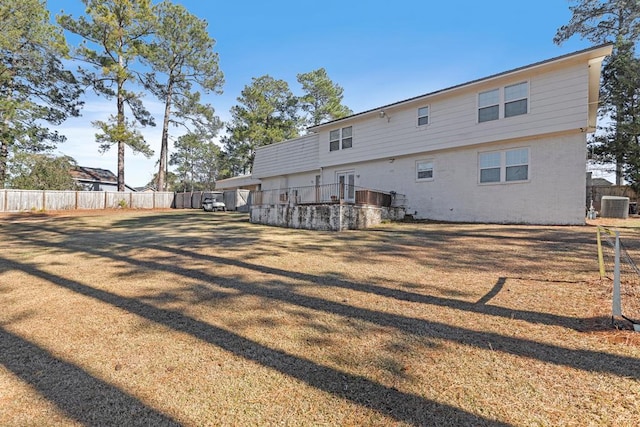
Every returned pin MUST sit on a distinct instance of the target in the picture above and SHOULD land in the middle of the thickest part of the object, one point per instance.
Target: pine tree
(322, 99)
(34, 86)
(38, 171)
(115, 33)
(196, 161)
(615, 21)
(182, 53)
(267, 113)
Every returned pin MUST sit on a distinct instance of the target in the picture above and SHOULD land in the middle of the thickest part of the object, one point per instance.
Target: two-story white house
(508, 148)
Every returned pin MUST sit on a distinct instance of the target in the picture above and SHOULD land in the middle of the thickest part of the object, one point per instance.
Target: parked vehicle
(213, 201)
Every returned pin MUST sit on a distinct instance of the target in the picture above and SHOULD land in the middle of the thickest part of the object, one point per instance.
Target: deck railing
(328, 194)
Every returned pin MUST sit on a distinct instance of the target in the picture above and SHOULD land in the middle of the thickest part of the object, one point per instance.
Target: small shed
(237, 200)
(242, 182)
(237, 191)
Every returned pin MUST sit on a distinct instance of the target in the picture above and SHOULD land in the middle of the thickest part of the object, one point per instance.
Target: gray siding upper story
(562, 98)
(287, 157)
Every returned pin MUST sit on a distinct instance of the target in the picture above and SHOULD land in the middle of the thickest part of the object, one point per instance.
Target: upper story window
(488, 105)
(347, 139)
(334, 140)
(514, 100)
(423, 116)
(341, 138)
(504, 166)
(424, 170)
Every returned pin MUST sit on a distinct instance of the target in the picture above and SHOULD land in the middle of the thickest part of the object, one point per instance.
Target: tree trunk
(618, 145)
(619, 165)
(121, 145)
(120, 130)
(4, 156)
(164, 144)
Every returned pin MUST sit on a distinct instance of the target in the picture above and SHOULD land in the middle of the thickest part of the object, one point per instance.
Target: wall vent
(614, 207)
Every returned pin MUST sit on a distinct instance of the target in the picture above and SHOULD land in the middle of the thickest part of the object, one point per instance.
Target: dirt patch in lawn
(185, 317)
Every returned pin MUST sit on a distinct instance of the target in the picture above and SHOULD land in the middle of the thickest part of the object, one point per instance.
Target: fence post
(617, 306)
(600, 254)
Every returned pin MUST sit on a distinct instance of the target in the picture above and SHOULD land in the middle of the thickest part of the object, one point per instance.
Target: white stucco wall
(553, 194)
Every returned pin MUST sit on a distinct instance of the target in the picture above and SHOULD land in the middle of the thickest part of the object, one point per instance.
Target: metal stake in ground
(616, 305)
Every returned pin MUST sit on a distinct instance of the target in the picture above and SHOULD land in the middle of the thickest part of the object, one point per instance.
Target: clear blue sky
(380, 52)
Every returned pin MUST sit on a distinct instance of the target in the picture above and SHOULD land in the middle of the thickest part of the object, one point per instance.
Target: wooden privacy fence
(38, 200)
(595, 193)
(189, 200)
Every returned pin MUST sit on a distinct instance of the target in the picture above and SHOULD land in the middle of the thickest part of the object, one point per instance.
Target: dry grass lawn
(194, 318)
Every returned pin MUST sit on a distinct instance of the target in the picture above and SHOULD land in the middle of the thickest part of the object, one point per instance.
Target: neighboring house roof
(145, 189)
(93, 174)
(592, 52)
(600, 182)
(86, 175)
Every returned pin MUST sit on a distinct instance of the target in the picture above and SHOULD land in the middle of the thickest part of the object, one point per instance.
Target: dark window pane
(515, 108)
(425, 174)
(488, 113)
(490, 175)
(517, 173)
(423, 120)
(346, 143)
(334, 145)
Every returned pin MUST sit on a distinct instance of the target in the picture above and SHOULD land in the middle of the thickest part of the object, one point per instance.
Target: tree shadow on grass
(479, 307)
(82, 397)
(580, 359)
(72, 244)
(485, 247)
(282, 290)
(399, 405)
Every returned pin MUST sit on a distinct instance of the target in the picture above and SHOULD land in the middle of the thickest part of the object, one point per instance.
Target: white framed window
(503, 166)
(334, 140)
(517, 164)
(509, 101)
(490, 165)
(347, 137)
(424, 170)
(423, 116)
(488, 105)
(341, 138)
(516, 99)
